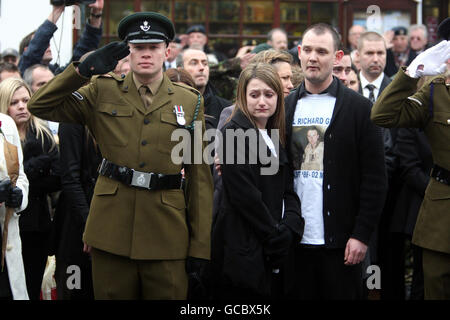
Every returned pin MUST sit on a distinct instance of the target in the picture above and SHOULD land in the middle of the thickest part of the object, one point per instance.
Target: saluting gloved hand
(15, 198)
(5, 189)
(277, 247)
(104, 60)
(431, 62)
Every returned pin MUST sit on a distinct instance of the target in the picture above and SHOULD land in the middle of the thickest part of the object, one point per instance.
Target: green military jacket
(124, 220)
(402, 105)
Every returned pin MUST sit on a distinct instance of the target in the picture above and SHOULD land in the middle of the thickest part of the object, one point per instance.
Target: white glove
(431, 62)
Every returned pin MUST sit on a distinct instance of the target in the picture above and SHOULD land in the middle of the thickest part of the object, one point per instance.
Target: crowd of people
(359, 134)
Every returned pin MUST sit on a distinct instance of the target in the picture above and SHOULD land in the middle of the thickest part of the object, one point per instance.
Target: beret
(196, 28)
(400, 31)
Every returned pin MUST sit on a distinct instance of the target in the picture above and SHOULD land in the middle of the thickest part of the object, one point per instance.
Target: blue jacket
(33, 55)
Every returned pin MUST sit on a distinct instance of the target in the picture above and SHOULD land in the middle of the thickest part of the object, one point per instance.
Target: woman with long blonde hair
(259, 218)
(41, 163)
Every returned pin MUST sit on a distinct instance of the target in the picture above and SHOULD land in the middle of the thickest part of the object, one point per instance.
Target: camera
(70, 2)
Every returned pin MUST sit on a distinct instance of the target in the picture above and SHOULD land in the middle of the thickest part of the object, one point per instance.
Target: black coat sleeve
(71, 141)
(410, 160)
(373, 176)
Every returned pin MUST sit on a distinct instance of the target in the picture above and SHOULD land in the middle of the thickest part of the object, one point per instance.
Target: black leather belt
(138, 179)
(441, 174)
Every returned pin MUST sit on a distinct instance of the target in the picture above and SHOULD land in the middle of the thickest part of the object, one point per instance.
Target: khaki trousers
(436, 272)
(121, 278)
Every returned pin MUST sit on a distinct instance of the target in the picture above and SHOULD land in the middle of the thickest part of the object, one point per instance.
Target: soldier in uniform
(429, 108)
(145, 232)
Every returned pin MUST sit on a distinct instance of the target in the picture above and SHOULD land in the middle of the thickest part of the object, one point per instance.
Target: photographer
(35, 48)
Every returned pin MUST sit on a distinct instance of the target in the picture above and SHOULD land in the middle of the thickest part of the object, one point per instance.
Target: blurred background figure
(400, 54)
(354, 33)
(10, 55)
(175, 49)
(9, 70)
(277, 38)
(418, 38)
(353, 80)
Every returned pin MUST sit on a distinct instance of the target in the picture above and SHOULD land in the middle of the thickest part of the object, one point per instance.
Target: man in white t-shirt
(342, 198)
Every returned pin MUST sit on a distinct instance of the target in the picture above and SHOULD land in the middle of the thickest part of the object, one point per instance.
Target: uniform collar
(154, 86)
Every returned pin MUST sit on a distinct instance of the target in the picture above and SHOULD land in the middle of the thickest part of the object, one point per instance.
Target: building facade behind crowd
(308, 144)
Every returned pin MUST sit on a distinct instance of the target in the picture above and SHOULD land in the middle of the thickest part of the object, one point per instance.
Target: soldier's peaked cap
(146, 27)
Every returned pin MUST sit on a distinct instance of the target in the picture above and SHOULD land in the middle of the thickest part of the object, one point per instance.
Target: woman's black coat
(41, 165)
(250, 213)
(80, 159)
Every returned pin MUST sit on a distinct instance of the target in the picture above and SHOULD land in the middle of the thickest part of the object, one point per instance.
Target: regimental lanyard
(180, 115)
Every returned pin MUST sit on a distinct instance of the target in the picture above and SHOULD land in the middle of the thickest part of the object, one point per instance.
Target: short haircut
(28, 74)
(272, 56)
(321, 28)
(8, 67)
(180, 58)
(370, 36)
(25, 42)
(418, 27)
(271, 32)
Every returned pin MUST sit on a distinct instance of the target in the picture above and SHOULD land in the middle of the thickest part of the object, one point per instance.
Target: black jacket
(391, 69)
(250, 214)
(354, 182)
(213, 106)
(415, 162)
(41, 165)
(80, 159)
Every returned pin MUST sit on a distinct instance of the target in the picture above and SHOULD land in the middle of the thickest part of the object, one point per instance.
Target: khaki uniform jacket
(124, 220)
(401, 106)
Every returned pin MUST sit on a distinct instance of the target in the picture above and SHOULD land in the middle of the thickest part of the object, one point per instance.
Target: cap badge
(145, 27)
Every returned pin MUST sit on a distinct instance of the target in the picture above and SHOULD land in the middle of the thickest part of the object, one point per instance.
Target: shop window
(187, 13)
(160, 6)
(294, 18)
(258, 17)
(325, 12)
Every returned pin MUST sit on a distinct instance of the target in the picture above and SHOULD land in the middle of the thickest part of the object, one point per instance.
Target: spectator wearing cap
(175, 48)
(8, 70)
(418, 38)
(35, 47)
(199, 40)
(400, 54)
(10, 55)
(145, 232)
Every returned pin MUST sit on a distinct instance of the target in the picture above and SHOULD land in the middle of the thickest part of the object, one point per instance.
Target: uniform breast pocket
(167, 126)
(112, 123)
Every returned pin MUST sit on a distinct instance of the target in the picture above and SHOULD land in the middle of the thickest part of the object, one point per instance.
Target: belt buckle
(141, 179)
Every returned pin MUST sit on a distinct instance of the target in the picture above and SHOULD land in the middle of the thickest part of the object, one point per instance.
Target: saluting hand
(104, 60)
(431, 62)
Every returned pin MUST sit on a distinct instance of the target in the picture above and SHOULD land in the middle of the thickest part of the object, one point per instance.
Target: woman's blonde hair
(7, 89)
(269, 75)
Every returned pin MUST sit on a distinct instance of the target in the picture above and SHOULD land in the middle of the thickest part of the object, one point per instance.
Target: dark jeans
(321, 274)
